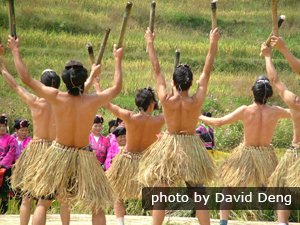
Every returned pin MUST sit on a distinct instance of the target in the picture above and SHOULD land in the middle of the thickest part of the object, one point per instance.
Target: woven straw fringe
(173, 159)
(278, 178)
(293, 177)
(74, 176)
(27, 161)
(248, 166)
(122, 176)
(94, 191)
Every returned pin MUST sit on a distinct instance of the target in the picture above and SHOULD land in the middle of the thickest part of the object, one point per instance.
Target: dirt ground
(82, 219)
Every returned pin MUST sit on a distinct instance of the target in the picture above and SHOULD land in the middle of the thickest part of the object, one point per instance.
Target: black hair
(98, 119)
(119, 131)
(208, 114)
(50, 78)
(3, 119)
(21, 123)
(183, 77)
(112, 123)
(144, 97)
(74, 76)
(262, 90)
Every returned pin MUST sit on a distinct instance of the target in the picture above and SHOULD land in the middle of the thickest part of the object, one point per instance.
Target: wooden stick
(177, 58)
(280, 22)
(12, 19)
(152, 16)
(103, 45)
(274, 18)
(214, 14)
(124, 24)
(89, 47)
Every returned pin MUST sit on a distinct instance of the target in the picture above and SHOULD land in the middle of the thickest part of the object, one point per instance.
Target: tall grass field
(51, 32)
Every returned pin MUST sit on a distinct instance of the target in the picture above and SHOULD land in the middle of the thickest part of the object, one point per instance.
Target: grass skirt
(174, 159)
(122, 175)
(248, 166)
(27, 162)
(278, 178)
(293, 177)
(73, 175)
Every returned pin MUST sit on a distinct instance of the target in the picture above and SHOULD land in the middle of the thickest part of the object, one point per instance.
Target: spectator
(206, 133)
(8, 146)
(99, 142)
(118, 140)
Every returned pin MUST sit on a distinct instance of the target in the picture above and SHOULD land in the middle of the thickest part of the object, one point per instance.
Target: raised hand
(118, 53)
(13, 43)
(149, 36)
(214, 36)
(265, 51)
(278, 43)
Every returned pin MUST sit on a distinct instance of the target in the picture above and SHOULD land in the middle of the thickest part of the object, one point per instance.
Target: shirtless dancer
(253, 161)
(75, 179)
(141, 131)
(179, 155)
(278, 44)
(288, 163)
(42, 118)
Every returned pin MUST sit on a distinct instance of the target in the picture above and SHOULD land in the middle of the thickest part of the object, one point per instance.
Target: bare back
(141, 131)
(43, 120)
(74, 117)
(181, 114)
(259, 124)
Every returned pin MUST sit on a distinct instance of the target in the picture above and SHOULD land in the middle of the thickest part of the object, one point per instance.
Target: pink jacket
(8, 147)
(21, 146)
(112, 151)
(100, 147)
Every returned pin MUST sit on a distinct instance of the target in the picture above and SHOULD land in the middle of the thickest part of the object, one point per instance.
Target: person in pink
(8, 146)
(117, 141)
(22, 132)
(99, 143)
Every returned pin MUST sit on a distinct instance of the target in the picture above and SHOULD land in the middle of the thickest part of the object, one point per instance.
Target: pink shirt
(100, 147)
(21, 146)
(113, 150)
(8, 147)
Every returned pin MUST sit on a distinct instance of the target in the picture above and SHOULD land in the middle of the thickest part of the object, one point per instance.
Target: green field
(52, 32)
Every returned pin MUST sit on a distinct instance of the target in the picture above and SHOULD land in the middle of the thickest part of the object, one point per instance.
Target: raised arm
(228, 119)
(104, 97)
(90, 81)
(209, 61)
(278, 44)
(26, 96)
(118, 111)
(160, 80)
(287, 96)
(40, 89)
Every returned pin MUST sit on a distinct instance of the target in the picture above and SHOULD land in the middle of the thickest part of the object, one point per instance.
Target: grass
(52, 32)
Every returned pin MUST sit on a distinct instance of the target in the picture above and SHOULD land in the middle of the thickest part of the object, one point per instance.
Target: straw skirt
(248, 166)
(174, 159)
(72, 175)
(27, 162)
(278, 178)
(122, 175)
